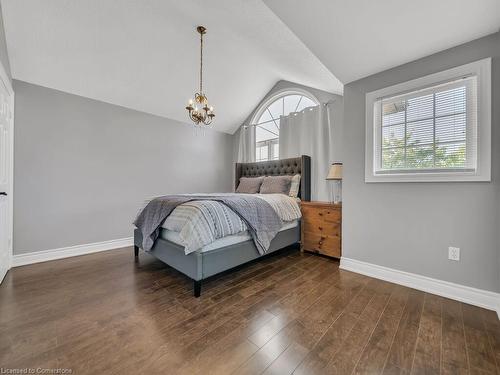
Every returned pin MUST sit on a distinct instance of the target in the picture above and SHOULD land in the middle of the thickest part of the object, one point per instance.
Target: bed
(226, 254)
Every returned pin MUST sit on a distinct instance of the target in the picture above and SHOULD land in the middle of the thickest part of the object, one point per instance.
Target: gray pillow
(276, 184)
(249, 185)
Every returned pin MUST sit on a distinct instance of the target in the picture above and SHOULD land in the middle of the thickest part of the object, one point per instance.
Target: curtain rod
(326, 104)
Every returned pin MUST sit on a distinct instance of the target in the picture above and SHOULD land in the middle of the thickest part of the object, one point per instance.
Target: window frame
(269, 143)
(482, 70)
(269, 101)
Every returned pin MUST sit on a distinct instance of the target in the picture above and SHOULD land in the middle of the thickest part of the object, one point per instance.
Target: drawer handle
(320, 214)
(320, 243)
(320, 228)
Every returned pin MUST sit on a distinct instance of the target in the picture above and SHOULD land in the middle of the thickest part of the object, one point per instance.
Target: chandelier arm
(193, 118)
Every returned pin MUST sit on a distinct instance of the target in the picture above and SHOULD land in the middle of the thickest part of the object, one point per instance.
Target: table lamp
(335, 174)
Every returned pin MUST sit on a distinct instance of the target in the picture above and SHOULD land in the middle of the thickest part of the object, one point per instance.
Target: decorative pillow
(249, 185)
(276, 184)
(294, 186)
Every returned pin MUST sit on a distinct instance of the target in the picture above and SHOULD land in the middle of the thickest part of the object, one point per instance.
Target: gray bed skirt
(201, 265)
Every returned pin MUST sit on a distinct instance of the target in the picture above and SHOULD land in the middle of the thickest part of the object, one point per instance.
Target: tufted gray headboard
(279, 167)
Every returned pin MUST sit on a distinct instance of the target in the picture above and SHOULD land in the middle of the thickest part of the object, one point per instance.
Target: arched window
(267, 121)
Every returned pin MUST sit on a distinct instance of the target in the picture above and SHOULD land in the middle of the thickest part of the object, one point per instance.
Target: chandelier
(204, 114)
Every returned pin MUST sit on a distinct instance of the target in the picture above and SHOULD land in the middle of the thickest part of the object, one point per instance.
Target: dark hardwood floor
(288, 313)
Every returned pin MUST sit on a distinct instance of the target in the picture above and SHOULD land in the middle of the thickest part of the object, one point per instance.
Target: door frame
(4, 78)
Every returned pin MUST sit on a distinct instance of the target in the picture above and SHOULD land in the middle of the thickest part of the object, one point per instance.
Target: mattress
(174, 237)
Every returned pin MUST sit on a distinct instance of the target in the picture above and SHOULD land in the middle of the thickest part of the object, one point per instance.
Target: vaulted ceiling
(144, 54)
(357, 38)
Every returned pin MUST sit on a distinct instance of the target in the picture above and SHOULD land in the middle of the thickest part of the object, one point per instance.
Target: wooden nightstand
(321, 228)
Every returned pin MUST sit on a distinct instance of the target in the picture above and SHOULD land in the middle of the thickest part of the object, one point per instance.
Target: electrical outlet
(453, 253)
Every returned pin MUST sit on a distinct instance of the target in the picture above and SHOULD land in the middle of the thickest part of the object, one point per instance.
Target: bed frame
(201, 265)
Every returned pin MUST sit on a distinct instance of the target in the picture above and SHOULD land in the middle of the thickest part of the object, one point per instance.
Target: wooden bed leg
(136, 251)
(197, 288)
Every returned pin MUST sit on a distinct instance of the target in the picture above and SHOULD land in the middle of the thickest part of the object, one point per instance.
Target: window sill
(428, 177)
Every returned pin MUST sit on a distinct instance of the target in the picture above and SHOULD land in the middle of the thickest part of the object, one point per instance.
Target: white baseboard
(70, 251)
(477, 297)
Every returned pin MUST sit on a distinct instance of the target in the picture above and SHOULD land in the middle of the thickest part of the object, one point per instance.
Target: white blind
(427, 130)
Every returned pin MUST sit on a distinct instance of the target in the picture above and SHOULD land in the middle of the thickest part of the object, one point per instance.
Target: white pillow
(295, 186)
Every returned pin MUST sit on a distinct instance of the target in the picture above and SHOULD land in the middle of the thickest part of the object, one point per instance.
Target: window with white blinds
(427, 130)
(430, 130)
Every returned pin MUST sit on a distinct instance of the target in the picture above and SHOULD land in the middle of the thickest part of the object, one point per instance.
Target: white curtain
(309, 133)
(246, 147)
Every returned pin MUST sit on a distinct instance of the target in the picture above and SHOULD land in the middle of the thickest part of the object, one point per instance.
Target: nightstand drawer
(313, 215)
(322, 227)
(328, 245)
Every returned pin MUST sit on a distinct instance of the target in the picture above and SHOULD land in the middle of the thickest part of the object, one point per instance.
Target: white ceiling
(356, 38)
(144, 54)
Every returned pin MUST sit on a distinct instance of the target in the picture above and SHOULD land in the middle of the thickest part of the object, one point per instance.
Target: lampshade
(335, 172)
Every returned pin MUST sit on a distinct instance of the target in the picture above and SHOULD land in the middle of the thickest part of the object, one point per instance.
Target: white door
(6, 171)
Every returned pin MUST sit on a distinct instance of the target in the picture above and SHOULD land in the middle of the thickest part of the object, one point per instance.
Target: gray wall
(84, 167)
(4, 56)
(409, 226)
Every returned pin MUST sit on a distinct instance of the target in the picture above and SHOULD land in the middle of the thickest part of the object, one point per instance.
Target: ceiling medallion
(204, 114)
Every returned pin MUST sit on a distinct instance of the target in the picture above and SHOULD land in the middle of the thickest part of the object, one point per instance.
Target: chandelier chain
(201, 63)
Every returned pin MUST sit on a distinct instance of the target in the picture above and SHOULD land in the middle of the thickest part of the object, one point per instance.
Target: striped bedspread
(200, 223)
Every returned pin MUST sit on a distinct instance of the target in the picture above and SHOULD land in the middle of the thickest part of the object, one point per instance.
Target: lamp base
(336, 192)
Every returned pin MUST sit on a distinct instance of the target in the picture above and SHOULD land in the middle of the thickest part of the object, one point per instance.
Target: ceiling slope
(357, 38)
(144, 55)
